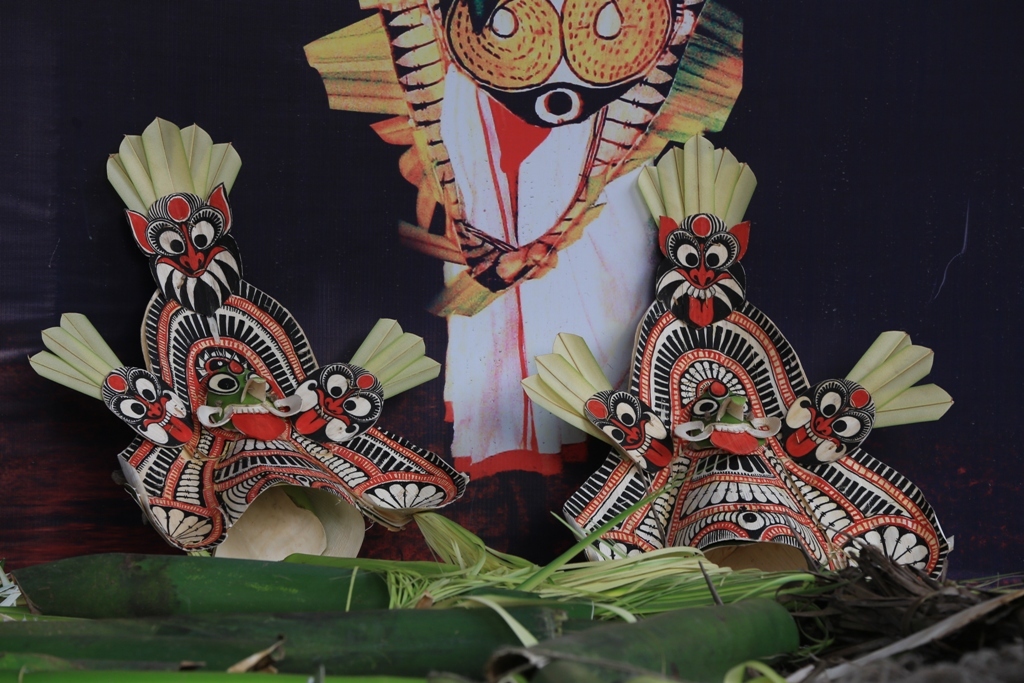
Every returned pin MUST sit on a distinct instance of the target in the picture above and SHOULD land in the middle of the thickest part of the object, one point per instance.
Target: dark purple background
(871, 126)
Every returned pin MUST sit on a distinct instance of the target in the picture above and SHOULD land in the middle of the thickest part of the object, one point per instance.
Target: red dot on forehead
(860, 398)
(718, 389)
(364, 381)
(597, 409)
(701, 226)
(178, 208)
(117, 383)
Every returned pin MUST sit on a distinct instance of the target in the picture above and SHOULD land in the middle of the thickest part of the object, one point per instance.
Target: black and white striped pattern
(728, 338)
(253, 319)
(373, 445)
(827, 509)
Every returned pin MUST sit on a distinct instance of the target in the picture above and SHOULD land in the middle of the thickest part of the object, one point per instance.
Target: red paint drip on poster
(547, 464)
(516, 140)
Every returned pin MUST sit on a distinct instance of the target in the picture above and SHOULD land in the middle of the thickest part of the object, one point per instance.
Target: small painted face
(142, 401)
(701, 281)
(828, 421)
(551, 65)
(228, 383)
(237, 398)
(633, 426)
(193, 260)
(341, 402)
(721, 419)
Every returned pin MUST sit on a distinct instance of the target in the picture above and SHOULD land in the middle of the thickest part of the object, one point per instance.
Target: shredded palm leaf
(621, 589)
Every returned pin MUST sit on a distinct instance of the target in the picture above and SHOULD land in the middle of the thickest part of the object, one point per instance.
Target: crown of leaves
(167, 160)
(697, 178)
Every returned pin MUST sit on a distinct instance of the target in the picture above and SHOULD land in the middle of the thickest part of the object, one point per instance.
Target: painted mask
(238, 398)
(828, 421)
(341, 402)
(193, 259)
(701, 280)
(146, 405)
(723, 420)
(633, 426)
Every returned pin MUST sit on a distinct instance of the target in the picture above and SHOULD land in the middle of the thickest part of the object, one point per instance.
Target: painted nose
(336, 407)
(194, 261)
(701, 277)
(823, 426)
(155, 410)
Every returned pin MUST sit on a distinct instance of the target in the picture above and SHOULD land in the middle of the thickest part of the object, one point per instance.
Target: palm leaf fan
(565, 379)
(697, 178)
(398, 359)
(78, 358)
(167, 160)
(889, 370)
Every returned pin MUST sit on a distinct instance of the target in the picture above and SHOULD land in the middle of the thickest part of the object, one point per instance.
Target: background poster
(889, 154)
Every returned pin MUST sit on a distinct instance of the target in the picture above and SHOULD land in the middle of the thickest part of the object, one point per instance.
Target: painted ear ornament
(238, 426)
(764, 469)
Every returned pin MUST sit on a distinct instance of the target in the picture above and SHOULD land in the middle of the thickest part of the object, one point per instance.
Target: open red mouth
(737, 443)
(800, 443)
(179, 430)
(262, 426)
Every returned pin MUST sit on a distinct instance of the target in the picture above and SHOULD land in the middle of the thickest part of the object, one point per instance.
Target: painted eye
(705, 406)
(846, 426)
(520, 45)
(626, 414)
(202, 234)
(131, 408)
(687, 255)
(504, 23)
(146, 390)
(337, 385)
(830, 404)
(716, 255)
(751, 521)
(358, 406)
(171, 242)
(609, 22)
(618, 436)
(215, 364)
(224, 384)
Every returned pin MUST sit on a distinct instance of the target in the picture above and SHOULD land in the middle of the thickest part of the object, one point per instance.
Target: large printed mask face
(828, 421)
(194, 261)
(341, 402)
(142, 401)
(555, 63)
(633, 426)
(701, 281)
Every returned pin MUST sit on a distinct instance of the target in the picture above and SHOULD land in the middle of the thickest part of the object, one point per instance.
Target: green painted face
(723, 420)
(227, 388)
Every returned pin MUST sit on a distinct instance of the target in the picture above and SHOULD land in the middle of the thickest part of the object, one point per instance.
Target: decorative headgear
(175, 184)
(698, 195)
